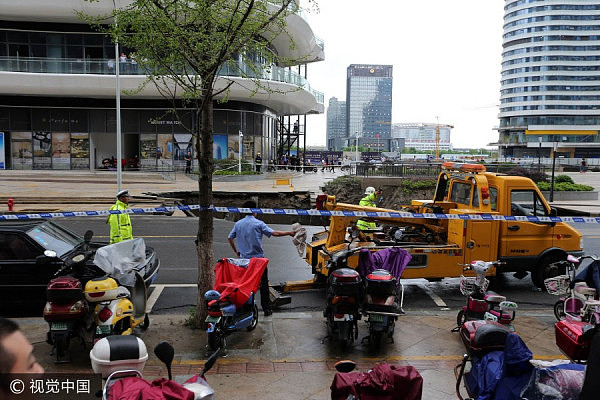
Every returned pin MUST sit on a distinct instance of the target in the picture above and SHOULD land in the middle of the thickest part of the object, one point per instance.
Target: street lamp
(540, 154)
(356, 148)
(553, 164)
(118, 106)
(240, 148)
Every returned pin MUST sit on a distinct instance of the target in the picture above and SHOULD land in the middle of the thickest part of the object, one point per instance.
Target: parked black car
(25, 270)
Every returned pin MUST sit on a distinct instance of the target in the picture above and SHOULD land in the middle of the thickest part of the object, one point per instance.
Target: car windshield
(54, 237)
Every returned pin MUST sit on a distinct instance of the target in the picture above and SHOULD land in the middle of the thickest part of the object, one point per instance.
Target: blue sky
(446, 57)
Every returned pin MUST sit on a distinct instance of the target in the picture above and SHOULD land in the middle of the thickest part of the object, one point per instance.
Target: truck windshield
(526, 202)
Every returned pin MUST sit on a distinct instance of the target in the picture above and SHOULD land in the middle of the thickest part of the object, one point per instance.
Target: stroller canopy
(237, 278)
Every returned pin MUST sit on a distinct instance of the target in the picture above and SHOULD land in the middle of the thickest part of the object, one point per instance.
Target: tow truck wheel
(546, 269)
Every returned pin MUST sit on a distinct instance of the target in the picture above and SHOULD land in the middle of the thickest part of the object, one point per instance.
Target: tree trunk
(204, 240)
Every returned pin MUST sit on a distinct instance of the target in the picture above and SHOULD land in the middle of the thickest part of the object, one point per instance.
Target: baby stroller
(231, 305)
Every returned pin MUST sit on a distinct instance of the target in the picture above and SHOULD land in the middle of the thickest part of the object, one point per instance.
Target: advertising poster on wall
(147, 149)
(219, 147)
(61, 151)
(164, 147)
(80, 151)
(2, 152)
(21, 152)
(42, 146)
(233, 147)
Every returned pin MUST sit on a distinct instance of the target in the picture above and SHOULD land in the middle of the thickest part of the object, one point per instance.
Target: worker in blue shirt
(248, 233)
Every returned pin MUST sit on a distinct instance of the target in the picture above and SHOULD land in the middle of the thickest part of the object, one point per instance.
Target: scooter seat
(494, 297)
(583, 289)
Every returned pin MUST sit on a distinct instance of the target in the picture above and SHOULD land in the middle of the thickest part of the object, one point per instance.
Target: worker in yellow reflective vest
(120, 224)
(370, 200)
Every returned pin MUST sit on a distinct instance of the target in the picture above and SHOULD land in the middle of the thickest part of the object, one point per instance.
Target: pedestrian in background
(248, 233)
(120, 224)
(583, 167)
(258, 162)
(188, 162)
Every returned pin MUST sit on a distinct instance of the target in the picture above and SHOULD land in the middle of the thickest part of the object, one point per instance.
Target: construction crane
(437, 139)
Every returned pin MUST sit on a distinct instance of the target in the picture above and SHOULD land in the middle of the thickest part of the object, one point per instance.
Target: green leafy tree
(188, 48)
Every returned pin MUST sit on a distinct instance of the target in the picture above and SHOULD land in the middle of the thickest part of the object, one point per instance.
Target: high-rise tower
(550, 85)
(369, 104)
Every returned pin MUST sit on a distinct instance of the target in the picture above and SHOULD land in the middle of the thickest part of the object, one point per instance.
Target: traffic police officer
(120, 224)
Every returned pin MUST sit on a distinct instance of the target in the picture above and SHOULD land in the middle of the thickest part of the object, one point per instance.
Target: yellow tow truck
(439, 246)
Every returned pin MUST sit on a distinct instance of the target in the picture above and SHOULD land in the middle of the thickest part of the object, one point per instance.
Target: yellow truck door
(521, 242)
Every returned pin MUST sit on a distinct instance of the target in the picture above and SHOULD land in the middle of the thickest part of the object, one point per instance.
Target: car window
(494, 198)
(53, 237)
(527, 203)
(475, 196)
(15, 247)
(461, 193)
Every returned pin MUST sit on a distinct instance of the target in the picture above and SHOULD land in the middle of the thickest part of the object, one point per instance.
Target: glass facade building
(57, 95)
(550, 80)
(369, 102)
(336, 124)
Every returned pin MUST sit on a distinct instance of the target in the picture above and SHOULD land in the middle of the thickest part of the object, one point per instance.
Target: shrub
(409, 186)
(563, 178)
(564, 187)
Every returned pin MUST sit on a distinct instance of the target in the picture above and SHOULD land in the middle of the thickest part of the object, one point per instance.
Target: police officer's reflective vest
(120, 224)
(367, 201)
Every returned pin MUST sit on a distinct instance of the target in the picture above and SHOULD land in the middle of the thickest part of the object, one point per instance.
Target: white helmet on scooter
(370, 190)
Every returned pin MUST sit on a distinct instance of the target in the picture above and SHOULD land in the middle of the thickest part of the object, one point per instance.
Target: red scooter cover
(383, 382)
(134, 388)
(236, 278)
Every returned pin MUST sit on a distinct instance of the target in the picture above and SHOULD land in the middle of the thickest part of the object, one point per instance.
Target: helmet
(370, 190)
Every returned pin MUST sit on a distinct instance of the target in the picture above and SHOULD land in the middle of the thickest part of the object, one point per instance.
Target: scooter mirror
(50, 253)
(345, 366)
(87, 236)
(210, 362)
(165, 353)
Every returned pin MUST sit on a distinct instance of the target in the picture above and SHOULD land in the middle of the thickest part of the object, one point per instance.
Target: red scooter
(66, 310)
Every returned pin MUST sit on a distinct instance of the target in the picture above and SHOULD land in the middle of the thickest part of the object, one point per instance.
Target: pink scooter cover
(236, 278)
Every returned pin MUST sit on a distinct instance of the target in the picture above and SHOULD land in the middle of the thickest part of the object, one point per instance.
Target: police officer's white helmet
(370, 190)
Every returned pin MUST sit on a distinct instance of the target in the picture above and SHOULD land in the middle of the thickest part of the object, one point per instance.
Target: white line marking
(436, 299)
(175, 285)
(153, 297)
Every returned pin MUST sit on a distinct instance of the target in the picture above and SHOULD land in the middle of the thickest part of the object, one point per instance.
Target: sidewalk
(284, 357)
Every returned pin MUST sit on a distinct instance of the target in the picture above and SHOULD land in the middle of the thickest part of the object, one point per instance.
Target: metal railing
(94, 66)
(397, 169)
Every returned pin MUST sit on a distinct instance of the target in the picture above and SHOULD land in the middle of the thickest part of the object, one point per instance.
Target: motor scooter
(117, 309)
(66, 310)
(577, 300)
(344, 294)
(381, 305)
(111, 357)
(231, 305)
(482, 304)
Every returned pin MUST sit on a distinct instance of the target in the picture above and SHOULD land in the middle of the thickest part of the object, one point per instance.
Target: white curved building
(550, 85)
(57, 95)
